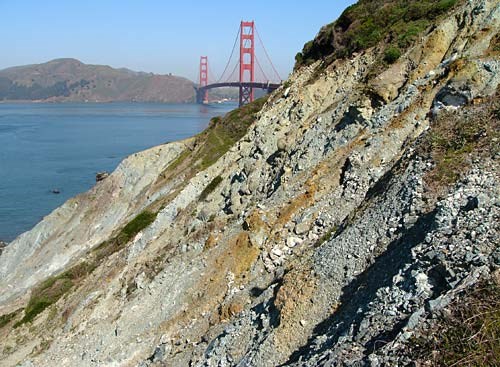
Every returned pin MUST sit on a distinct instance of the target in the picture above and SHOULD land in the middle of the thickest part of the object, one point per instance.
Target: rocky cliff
(342, 221)
(69, 80)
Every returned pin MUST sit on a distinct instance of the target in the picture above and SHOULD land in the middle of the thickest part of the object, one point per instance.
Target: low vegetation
(392, 54)
(128, 232)
(210, 187)
(210, 145)
(327, 236)
(179, 160)
(368, 22)
(469, 335)
(223, 132)
(52, 289)
(5, 319)
(136, 225)
(69, 79)
(214, 141)
(10, 90)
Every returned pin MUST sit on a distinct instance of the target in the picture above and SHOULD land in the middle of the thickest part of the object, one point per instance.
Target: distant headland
(70, 80)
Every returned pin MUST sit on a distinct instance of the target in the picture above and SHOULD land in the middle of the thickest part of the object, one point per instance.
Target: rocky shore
(337, 223)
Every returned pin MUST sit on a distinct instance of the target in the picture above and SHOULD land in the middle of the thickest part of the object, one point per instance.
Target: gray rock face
(319, 240)
(422, 269)
(82, 222)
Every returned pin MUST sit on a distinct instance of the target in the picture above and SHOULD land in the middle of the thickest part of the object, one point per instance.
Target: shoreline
(161, 117)
(27, 101)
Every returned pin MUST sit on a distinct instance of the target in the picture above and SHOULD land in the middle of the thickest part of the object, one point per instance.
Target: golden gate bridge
(248, 72)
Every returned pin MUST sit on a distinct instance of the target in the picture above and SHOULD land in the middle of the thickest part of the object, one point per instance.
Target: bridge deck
(258, 85)
(200, 91)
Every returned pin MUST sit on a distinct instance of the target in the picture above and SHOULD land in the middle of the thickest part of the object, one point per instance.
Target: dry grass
(469, 335)
(458, 137)
(238, 257)
(294, 302)
(494, 49)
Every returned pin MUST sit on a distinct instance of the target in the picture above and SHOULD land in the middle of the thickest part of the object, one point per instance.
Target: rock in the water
(101, 176)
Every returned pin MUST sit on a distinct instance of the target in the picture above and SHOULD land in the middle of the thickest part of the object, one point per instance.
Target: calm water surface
(61, 146)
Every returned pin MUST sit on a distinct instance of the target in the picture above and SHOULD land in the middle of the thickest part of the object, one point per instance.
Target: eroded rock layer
(332, 231)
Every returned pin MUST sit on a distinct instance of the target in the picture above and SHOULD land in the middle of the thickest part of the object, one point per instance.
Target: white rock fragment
(286, 92)
(291, 242)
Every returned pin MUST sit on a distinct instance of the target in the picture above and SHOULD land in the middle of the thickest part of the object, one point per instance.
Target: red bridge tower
(204, 78)
(249, 78)
(247, 61)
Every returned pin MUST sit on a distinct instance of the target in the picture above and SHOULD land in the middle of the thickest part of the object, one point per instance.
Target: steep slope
(331, 228)
(71, 80)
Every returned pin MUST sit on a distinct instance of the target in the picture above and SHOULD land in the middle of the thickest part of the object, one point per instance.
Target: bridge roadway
(200, 92)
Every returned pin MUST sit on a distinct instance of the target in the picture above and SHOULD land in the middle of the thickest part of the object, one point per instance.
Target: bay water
(47, 148)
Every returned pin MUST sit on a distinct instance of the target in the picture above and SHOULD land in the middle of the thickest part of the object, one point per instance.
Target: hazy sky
(157, 36)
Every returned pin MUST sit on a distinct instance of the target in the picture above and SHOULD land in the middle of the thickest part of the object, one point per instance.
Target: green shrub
(443, 6)
(223, 132)
(368, 22)
(210, 187)
(368, 34)
(299, 58)
(408, 33)
(5, 319)
(392, 54)
(136, 225)
(49, 292)
(46, 295)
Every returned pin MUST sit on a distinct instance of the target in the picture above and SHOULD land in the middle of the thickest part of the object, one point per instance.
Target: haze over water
(62, 146)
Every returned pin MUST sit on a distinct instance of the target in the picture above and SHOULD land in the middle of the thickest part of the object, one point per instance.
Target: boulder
(101, 176)
(301, 228)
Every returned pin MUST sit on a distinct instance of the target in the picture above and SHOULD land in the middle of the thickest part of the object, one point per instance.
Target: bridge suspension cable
(231, 56)
(211, 75)
(267, 55)
(260, 68)
(234, 72)
(247, 73)
(231, 77)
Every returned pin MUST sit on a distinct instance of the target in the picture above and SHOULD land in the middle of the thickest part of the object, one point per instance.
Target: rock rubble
(314, 240)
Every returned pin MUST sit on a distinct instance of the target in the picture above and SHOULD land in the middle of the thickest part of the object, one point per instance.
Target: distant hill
(64, 80)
